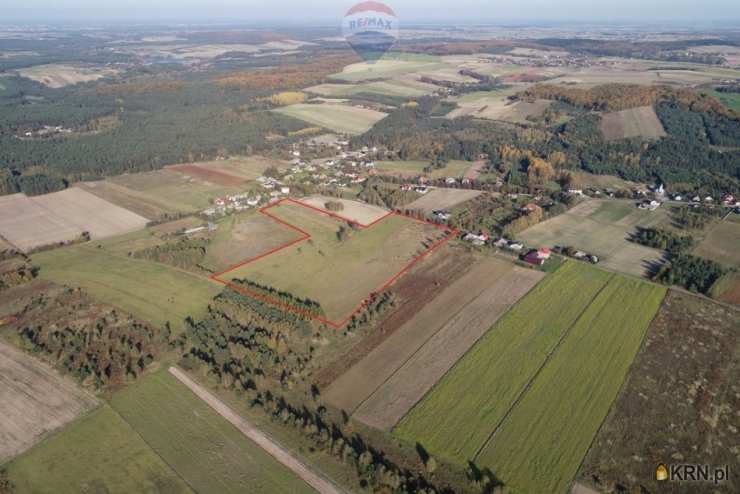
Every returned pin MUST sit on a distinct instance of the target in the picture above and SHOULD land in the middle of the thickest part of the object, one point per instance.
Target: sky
(304, 11)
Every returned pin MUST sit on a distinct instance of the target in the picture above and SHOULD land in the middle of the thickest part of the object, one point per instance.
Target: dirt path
(251, 432)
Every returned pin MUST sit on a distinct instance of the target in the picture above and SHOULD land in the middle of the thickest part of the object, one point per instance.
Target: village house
(477, 240)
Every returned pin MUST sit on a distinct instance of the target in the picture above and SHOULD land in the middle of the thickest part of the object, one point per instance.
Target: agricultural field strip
(441, 198)
(454, 419)
(34, 401)
(318, 482)
(541, 444)
(408, 385)
(354, 387)
(306, 236)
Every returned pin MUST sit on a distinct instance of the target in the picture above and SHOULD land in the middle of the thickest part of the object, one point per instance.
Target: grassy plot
(99, 453)
(205, 449)
(540, 445)
(338, 117)
(413, 168)
(722, 244)
(337, 274)
(154, 292)
(455, 419)
(730, 100)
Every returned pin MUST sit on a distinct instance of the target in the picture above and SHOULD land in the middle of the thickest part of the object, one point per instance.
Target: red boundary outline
(305, 236)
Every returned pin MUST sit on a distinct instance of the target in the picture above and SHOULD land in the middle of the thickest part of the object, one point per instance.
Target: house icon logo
(661, 473)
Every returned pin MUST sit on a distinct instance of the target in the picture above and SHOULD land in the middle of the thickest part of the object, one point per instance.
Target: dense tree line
(303, 306)
(691, 272)
(662, 239)
(97, 345)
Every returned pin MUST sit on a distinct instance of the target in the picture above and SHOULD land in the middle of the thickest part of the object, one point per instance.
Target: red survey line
(305, 236)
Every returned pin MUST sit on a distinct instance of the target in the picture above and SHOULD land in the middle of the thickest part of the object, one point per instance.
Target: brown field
(34, 401)
(355, 386)
(635, 122)
(150, 207)
(443, 199)
(60, 75)
(503, 285)
(678, 405)
(241, 237)
(93, 214)
(722, 244)
(208, 174)
(727, 288)
(473, 173)
(32, 222)
(359, 212)
(28, 225)
(416, 290)
(495, 105)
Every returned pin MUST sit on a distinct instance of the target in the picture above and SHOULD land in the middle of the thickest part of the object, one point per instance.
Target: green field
(391, 65)
(205, 449)
(412, 168)
(153, 292)
(337, 117)
(540, 445)
(612, 211)
(456, 418)
(100, 453)
(730, 100)
(721, 244)
(337, 274)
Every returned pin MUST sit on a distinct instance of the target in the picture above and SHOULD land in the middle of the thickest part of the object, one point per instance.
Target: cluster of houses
(239, 202)
(419, 189)
(47, 130)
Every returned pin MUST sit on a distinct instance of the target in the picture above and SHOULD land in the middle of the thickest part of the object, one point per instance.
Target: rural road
(273, 449)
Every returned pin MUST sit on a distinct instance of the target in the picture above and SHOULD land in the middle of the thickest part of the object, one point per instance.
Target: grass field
(100, 453)
(722, 244)
(413, 168)
(455, 419)
(391, 65)
(337, 117)
(727, 288)
(602, 228)
(541, 443)
(153, 292)
(635, 122)
(403, 87)
(339, 275)
(443, 199)
(730, 100)
(199, 444)
(495, 105)
(60, 75)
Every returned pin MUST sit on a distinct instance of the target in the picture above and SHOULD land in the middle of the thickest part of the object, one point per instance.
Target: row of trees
(185, 253)
(662, 239)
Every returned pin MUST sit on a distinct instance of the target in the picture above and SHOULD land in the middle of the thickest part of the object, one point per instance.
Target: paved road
(272, 448)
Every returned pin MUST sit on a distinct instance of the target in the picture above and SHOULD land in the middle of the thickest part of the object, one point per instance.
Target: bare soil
(208, 174)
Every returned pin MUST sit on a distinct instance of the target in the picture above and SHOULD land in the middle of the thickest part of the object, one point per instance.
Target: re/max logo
(698, 473)
(376, 22)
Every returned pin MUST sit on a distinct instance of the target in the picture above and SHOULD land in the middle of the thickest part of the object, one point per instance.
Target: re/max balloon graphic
(371, 29)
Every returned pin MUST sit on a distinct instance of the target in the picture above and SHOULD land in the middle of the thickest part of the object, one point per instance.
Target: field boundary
(304, 236)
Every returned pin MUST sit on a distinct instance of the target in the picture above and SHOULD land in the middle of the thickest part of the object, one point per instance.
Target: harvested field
(393, 65)
(94, 215)
(208, 174)
(404, 87)
(727, 289)
(337, 274)
(60, 75)
(200, 445)
(337, 117)
(28, 225)
(32, 222)
(350, 390)
(540, 444)
(364, 214)
(150, 207)
(244, 167)
(688, 371)
(602, 228)
(454, 337)
(456, 418)
(34, 401)
(722, 244)
(244, 236)
(495, 105)
(419, 288)
(443, 199)
(99, 453)
(635, 122)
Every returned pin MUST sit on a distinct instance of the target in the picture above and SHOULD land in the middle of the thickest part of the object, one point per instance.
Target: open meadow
(635, 122)
(415, 168)
(334, 116)
(60, 75)
(688, 371)
(602, 228)
(338, 273)
(541, 443)
(438, 198)
(154, 292)
(455, 419)
(404, 87)
(209, 453)
(495, 105)
(99, 453)
(721, 244)
(34, 401)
